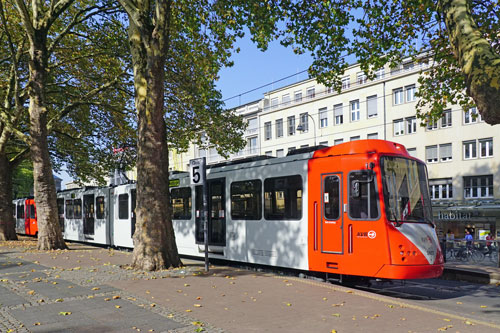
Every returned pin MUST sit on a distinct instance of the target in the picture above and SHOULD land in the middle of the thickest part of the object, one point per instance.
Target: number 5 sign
(197, 173)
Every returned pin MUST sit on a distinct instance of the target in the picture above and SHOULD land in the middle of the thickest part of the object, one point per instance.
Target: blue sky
(254, 68)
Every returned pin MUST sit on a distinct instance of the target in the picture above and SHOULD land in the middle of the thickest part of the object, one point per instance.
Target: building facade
(462, 152)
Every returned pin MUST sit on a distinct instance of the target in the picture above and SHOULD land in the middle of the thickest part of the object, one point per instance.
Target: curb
(468, 275)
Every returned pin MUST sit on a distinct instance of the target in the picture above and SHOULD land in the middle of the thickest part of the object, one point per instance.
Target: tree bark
(479, 62)
(154, 239)
(49, 231)
(7, 225)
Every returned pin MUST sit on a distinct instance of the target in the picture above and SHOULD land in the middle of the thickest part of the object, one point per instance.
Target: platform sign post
(198, 177)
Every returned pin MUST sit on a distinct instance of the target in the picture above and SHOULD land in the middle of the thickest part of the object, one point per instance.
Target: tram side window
(20, 211)
(363, 199)
(99, 214)
(331, 197)
(283, 198)
(123, 206)
(246, 200)
(77, 207)
(181, 203)
(69, 209)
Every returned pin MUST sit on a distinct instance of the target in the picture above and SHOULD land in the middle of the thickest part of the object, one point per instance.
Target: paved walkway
(88, 289)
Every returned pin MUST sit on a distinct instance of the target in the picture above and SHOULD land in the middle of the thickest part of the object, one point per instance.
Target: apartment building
(461, 151)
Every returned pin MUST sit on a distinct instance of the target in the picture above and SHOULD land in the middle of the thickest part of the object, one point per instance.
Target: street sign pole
(198, 176)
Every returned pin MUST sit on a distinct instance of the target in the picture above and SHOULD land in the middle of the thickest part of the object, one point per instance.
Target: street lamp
(302, 128)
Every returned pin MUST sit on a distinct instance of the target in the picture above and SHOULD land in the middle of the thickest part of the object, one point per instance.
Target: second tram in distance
(360, 208)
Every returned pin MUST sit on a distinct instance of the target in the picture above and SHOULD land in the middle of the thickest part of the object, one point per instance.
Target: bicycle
(471, 254)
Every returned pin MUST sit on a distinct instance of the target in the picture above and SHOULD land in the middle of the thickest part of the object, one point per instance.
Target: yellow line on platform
(386, 299)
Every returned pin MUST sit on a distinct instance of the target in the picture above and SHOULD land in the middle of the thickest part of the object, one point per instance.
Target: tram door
(30, 218)
(88, 216)
(60, 212)
(331, 213)
(217, 212)
(133, 194)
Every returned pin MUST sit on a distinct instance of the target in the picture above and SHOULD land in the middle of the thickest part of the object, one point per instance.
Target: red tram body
(360, 208)
(371, 246)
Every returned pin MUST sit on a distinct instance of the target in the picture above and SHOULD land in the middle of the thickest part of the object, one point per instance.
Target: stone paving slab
(9, 298)
(96, 314)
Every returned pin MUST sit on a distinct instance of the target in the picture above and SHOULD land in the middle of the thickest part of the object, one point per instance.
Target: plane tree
(71, 93)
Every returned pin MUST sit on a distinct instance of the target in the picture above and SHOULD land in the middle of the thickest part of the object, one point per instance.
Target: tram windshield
(406, 192)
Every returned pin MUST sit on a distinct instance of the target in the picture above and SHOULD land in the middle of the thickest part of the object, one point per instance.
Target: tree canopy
(459, 37)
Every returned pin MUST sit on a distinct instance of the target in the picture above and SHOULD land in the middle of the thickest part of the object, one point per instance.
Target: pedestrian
(489, 242)
(468, 239)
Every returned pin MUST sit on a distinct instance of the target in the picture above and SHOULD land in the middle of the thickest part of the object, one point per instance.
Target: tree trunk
(479, 62)
(154, 239)
(7, 225)
(49, 231)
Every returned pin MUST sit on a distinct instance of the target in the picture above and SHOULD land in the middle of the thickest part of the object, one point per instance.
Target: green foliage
(22, 180)
(88, 91)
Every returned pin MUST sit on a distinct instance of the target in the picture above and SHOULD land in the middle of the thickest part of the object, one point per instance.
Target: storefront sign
(455, 215)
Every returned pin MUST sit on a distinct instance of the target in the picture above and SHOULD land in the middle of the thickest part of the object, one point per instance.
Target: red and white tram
(360, 208)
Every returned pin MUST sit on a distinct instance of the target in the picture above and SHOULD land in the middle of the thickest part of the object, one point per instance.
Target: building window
(411, 125)
(267, 130)
(310, 92)
(371, 106)
(355, 138)
(280, 153)
(354, 110)
(432, 125)
(399, 128)
(253, 126)
(291, 125)
(338, 141)
(323, 117)
(290, 149)
(441, 188)
(410, 93)
(398, 96)
(304, 122)
(472, 116)
(412, 152)
(279, 128)
(346, 82)
(285, 99)
(269, 153)
(470, 149)
(297, 96)
(324, 143)
(252, 145)
(361, 78)
(446, 119)
(431, 154)
(380, 73)
(372, 136)
(478, 187)
(445, 152)
(486, 147)
(408, 66)
(338, 114)
(274, 103)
